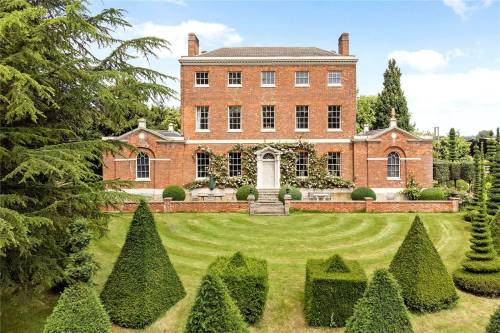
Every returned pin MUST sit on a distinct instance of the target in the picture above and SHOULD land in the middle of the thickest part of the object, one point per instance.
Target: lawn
(194, 240)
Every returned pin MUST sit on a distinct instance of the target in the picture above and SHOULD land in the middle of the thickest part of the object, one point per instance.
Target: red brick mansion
(266, 96)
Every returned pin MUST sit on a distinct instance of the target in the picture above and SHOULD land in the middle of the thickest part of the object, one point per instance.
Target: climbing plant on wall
(317, 167)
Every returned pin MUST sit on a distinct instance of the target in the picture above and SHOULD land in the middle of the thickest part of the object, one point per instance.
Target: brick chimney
(344, 44)
(193, 45)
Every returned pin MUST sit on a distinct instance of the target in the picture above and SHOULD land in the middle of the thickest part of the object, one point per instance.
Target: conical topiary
(78, 310)
(494, 324)
(420, 272)
(381, 309)
(336, 264)
(477, 189)
(143, 283)
(213, 310)
(494, 193)
(491, 149)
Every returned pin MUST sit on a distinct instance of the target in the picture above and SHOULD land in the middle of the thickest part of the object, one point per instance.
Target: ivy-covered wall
(318, 172)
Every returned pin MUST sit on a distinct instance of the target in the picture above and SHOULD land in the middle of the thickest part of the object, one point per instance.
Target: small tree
(452, 145)
(143, 283)
(420, 272)
(494, 193)
(214, 310)
(78, 310)
(381, 309)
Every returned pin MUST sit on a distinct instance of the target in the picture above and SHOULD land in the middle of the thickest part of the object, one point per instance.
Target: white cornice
(267, 60)
(257, 141)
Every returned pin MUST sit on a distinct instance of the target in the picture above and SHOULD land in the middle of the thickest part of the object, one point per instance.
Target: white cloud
(211, 35)
(467, 101)
(177, 2)
(425, 60)
(462, 7)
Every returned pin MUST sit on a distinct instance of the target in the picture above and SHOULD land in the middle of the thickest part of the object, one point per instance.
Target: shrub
(419, 270)
(293, 191)
(247, 282)
(143, 283)
(243, 192)
(381, 309)
(175, 192)
(214, 310)
(467, 171)
(441, 171)
(478, 284)
(332, 288)
(433, 193)
(78, 310)
(494, 324)
(363, 192)
(412, 189)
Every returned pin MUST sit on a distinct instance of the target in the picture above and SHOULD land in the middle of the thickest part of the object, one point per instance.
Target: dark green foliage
(467, 171)
(455, 171)
(441, 171)
(244, 191)
(381, 309)
(433, 193)
(214, 311)
(485, 284)
(78, 310)
(491, 149)
(494, 193)
(452, 145)
(481, 247)
(392, 96)
(143, 283)
(332, 288)
(361, 193)
(495, 232)
(412, 189)
(175, 192)
(494, 324)
(293, 191)
(419, 270)
(247, 282)
(80, 266)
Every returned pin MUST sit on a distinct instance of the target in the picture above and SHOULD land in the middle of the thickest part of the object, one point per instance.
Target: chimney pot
(141, 123)
(344, 44)
(193, 45)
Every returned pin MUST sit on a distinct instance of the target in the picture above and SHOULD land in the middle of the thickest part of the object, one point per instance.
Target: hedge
(433, 193)
(143, 283)
(333, 287)
(247, 281)
(381, 309)
(419, 270)
(175, 192)
(244, 191)
(361, 193)
(293, 191)
(494, 324)
(443, 171)
(213, 310)
(78, 310)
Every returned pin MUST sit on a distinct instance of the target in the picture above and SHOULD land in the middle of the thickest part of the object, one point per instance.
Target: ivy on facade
(317, 167)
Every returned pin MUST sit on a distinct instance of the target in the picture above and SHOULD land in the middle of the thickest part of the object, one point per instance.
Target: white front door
(268, 173)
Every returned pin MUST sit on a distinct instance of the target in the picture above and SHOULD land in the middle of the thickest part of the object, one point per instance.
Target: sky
(448, 50)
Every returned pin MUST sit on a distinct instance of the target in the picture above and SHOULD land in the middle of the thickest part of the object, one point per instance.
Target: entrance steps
(268, 195)
(268, 203)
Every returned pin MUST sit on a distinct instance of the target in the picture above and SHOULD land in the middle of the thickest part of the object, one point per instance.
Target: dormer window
(234, 79)
(201, 79)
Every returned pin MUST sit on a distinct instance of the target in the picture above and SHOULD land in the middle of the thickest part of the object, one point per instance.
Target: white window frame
(142, 179)
(301, 78)
(398, 159)
(268, 85)
(229, 164)
(297, 129)
(339, 164)
(268, 129)
(333, 73)
(197, 175)
(304, 171)
(229, 129)
(229, 78)
(198, 119)
(334, 129)
(201, 85)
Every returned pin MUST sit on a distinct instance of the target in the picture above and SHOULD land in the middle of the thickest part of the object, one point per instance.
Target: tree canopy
(365, 113)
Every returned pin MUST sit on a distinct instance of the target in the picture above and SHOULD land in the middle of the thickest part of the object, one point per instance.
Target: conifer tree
(143, 283)
(476, 188)
(419, 270)
(392, 96)
(214, 310)
(494, 193)
(381, 309)
(452, 145)
(494, 324)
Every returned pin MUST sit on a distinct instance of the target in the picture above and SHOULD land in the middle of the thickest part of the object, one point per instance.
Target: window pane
(268, 116)
(302, 116)
(201, 78)
(268, 78)
(334, 117)
(393, 165)
(234, 164)
(235, 117)
(334, 164)
(202, 163)
(301, 77)
(234, 78)
(301, 166)
(142, 165)
(334, 78)
(202, 117)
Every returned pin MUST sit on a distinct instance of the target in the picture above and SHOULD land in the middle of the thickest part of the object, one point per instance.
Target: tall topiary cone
(494, 324)
(491, 149)
(78, 310)
(476, 186)
(214, 310)
(494, 193)
(420, 272)
(143, 283)
(381, 309)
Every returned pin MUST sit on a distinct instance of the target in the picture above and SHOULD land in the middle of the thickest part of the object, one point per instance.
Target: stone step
(268, 208)
(268, 195)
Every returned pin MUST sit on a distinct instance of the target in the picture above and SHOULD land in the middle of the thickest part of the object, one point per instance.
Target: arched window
(268, 156)
(393, 165)
(142, 166)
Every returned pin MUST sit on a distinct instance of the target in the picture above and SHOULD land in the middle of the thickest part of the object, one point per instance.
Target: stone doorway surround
(268, 168)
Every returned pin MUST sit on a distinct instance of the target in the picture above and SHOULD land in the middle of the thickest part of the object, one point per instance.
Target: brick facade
(364, 155)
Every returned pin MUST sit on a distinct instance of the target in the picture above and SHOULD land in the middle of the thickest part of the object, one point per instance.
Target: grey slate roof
(269, 52)
(167, 133)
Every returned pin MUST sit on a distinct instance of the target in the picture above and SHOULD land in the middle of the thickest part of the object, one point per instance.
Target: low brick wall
(330, 206)
(169, 206)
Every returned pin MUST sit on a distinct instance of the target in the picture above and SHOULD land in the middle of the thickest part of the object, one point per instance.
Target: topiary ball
(363, 192)
(244, 191)
(293, 191)
(175, 192)
(433, 193)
